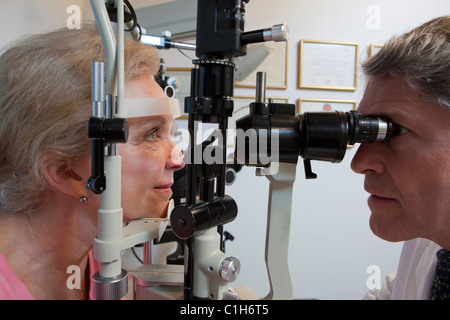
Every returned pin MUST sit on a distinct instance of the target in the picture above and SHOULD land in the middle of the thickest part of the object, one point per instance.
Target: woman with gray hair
(408, 178)
(48, 218)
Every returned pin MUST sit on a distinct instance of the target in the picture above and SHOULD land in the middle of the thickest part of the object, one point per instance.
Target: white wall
(331, 246)
(22, 17)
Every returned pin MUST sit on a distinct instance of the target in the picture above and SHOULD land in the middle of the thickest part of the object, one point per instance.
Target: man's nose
(366, 159)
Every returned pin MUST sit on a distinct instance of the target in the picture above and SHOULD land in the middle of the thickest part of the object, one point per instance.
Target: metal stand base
(110, 288)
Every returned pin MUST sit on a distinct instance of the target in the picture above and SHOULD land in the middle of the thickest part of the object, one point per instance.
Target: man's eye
(399, 130)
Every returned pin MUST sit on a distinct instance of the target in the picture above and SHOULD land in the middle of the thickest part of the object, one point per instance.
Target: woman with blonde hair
(48, 218)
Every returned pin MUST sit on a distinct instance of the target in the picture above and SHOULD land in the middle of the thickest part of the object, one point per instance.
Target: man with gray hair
(408, 178)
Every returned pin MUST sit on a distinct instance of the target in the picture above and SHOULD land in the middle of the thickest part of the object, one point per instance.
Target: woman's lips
(164, 188)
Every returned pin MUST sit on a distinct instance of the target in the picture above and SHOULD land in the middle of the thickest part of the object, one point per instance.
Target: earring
(83, 199)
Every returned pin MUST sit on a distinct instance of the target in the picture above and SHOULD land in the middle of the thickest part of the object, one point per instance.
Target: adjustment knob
(277, 33)
(229, 269)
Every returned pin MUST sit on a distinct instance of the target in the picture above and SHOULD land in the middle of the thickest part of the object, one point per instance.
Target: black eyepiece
(366, 128)
(326, 135)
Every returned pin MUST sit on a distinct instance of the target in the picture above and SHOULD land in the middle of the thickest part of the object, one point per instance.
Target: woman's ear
(60, 175)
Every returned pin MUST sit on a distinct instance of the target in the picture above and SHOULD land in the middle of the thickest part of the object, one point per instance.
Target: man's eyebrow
(403, 118)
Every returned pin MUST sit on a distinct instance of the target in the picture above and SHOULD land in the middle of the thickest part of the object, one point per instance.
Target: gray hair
(45, 105)
(421, 57)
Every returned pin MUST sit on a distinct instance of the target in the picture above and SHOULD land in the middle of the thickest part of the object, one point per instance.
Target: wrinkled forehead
(385, 93)
(151, 106)
(395, 99)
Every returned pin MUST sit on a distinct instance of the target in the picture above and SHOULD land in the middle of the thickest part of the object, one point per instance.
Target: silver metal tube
(120, 55)
(181, 45)
(260, 87)
(382, 130)
(152, 40)
(111, 107)
(147, 253)
(98, 90)
(163, 43)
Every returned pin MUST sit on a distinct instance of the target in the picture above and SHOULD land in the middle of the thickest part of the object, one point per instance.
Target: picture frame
(183, 76)
(328, 65)
(270, 57)
(320, 105)
(374, 48)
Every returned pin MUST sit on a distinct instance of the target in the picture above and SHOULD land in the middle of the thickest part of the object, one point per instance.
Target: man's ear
(59, 174)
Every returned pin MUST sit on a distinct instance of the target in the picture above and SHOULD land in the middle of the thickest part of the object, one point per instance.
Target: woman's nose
(175, 159)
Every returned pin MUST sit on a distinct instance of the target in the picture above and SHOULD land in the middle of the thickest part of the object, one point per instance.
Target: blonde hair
(45, 105)
(421, 57)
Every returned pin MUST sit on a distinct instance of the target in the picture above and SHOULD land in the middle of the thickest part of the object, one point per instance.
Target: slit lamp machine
(207, 271)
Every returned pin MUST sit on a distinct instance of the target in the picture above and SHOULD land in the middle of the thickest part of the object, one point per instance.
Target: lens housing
(326, 135)
(321, 136)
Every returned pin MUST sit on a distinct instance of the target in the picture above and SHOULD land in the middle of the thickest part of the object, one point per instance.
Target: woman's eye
(152, 135)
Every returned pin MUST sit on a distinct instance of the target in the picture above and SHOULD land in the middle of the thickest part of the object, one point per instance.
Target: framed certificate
(269, 57)
(328, 65)
(320, 105)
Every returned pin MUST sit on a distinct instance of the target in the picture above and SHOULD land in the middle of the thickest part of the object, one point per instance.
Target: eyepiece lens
(368, 128)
